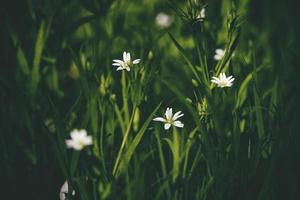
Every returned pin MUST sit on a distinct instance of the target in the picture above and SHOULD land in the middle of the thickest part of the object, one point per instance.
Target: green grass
(239, 142)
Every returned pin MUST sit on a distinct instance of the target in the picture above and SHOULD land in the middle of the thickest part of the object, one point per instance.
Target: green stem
(116, 166)
(125, 97)
(74, 162)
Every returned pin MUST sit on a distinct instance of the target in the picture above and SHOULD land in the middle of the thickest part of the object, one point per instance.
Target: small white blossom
(223, 81)
(126, 62)
(170, 119)
(79, 139)
(163, 20)
(219, 54)
(201, 15)
(64, 190)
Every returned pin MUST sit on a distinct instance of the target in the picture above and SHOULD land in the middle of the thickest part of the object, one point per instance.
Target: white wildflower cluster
(80, 139)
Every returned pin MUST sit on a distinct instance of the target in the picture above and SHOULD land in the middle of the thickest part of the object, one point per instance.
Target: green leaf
(243, 91)
(129, 152)
(259, 116)
(181, 50)
(38, 51)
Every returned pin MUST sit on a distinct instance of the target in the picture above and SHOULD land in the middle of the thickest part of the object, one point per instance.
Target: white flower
(79, 139)
(64, 190)
(126, 62)
(170, 119)
(163, 20)
(219, 54)
(223, 81)
(201, 15)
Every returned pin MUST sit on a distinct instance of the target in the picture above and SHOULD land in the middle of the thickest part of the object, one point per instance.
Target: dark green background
(28, 166)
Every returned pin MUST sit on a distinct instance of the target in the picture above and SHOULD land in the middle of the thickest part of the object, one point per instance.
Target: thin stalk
(125, 97)
(123, 142)
(74, 162)
(163, 163)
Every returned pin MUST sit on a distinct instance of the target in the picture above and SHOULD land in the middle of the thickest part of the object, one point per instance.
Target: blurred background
(53, 50)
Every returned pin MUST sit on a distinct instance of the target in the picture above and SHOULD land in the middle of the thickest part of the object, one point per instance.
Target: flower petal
(159, 119)
(178, 124)
(128, 58)
(136, 61)
(74, 133)
(118, 61)
(169, 113)
(117, 64)
(231, 80)
(215, 81)
(217, 57)
(177, 115)
(124, 56)
(120, 68)
(167, 126)
(70, 143)
(88, 140)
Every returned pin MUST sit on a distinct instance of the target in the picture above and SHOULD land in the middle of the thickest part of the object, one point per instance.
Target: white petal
(169, 113)
(177, 115)
(88, 140)
(63, 191)
(217, 57)
(215, 78)
(167, 126)
(70, 143)
(117, 64)
(120, 68)
(119, 61)
(74, 145)
(159, 119)
(74, 133)
(231, 80)
(78, 147)
(202, 13)
(82, 133)
(136, 61)
(124, 56)
(219, 51)
(128, 58)
(127, 68)
(178, 124)
(215, 81)
(222, 76)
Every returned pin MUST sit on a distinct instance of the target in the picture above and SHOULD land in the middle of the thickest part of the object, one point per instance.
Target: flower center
(223, 83)
(127, 63)
(81, 143)
(169, 120)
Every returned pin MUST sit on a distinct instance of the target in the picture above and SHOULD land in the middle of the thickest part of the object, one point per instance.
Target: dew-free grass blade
(188, 62)
(259, 115)
(133, 145)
